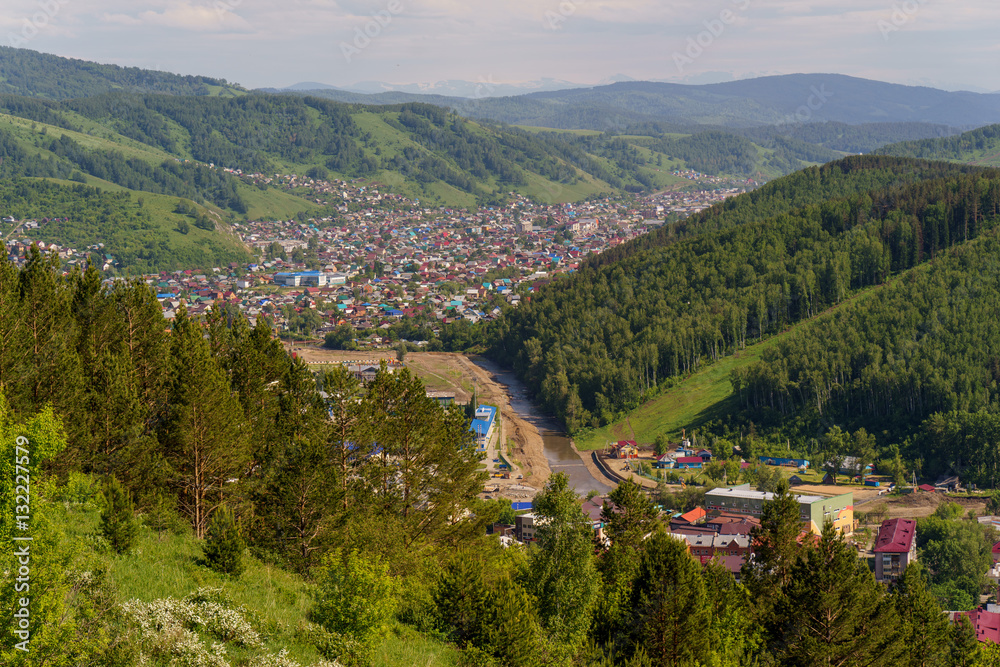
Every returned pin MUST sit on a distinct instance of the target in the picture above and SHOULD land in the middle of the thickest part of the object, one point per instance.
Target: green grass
(161, 210)
(696, 399)
(26, 131)
(701, 397)
(168, 565)
(272, 203)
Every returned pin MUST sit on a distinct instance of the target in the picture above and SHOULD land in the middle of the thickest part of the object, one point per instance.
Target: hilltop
(42, 75)
(788, 100)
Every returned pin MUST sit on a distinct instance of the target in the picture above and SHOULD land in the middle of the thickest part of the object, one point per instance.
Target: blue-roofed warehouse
(483, 425)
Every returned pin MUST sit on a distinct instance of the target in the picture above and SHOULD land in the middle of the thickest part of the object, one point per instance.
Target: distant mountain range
(42, 75)
(451, 88)
(773, 100)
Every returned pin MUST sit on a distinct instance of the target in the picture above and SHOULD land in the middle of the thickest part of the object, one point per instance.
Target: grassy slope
(167, 566)
(272, 203)
(161, 208)
(703, 396)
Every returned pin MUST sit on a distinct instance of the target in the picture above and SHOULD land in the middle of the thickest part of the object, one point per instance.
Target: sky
(258, 43)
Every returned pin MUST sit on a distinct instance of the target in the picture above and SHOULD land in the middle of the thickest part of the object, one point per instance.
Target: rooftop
(895, 536)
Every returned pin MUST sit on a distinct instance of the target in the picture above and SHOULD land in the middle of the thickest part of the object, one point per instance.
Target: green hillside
(979, 147)
(704, 397)
(596, 345)
(166, 566)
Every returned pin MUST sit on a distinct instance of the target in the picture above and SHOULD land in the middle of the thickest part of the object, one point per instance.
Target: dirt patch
(861, 495)
(317, 355)
(923, 504)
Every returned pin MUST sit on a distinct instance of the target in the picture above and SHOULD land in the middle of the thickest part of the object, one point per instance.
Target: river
(558, 450)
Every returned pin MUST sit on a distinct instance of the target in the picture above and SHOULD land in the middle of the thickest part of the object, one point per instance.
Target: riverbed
(558, 447)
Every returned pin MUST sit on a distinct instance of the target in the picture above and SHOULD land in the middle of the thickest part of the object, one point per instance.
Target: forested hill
(598, 343)
(981, 146)
(34, 74)
(916, 363)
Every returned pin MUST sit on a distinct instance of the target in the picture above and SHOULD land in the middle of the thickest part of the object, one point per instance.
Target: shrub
(224, 544)
(118, 524)
(355, 597)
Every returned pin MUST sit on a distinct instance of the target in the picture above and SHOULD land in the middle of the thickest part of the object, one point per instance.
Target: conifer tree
(118, 523)
(49, 369)
(833, 611)
(295, 494)
(12, 348)
(776, 548)
(924, 628)
(964, 645)
(670, 615)
(224, 544)
(736, 638)
(206, 436)
(628, 515)
(347, 447)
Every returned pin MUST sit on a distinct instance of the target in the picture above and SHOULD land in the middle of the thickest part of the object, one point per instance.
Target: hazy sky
(261, 43)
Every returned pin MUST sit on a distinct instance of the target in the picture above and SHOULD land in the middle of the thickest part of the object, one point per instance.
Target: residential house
(689, 462)
(895, 548)
(985, 622)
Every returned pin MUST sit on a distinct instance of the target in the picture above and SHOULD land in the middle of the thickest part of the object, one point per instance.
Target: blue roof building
(483, 424)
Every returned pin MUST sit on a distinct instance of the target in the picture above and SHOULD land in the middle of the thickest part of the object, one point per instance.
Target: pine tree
(206, 435)
(628, 515)
(924, 627)
(224, 544)
(964, 645)
(776, 549)
(118, 523)
(343, 390)
(670, 614)
(735, 637)
(833, 611)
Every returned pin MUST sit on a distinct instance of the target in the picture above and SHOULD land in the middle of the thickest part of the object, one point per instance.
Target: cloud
(220, 17)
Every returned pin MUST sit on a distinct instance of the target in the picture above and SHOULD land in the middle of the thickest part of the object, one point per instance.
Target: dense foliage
(79, 216)
(981, 143)
(371, 490)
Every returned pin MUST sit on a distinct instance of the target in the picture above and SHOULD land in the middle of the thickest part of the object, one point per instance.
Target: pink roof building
(986, 623)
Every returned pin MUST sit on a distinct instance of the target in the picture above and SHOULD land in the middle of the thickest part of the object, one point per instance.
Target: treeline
(597, 343)
(863, 138)
(196, 415)
(843, 178)
(370, 491)
(65, 158)
(962, 147)
(257, 132)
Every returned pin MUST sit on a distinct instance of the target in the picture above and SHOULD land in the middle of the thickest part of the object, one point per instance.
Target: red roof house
(895, 548)
(695, 515)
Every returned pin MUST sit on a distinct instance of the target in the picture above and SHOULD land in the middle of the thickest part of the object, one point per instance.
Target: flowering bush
(169, 628)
